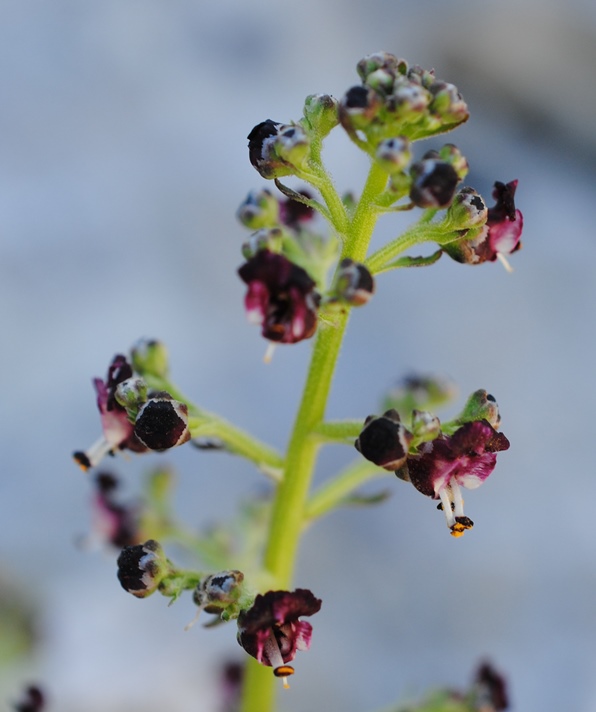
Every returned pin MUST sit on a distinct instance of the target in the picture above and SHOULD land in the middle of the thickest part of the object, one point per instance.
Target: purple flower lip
(280, 298)
(271, 630)
(448, 463)
(118, 431)
(114, 523)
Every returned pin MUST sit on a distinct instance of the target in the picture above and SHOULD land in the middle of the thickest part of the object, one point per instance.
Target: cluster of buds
(438, 459)
(269, 625)
(395, 99)
(133, 417)
(286, 269)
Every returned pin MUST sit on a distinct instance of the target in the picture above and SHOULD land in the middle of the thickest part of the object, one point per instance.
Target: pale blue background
(122, 161)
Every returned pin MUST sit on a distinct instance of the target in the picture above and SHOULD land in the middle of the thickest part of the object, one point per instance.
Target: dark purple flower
(162, 422)
(141, 568)
(118, 431)
(33, 700)
(280, 297)
(271, 630)
(502, 233)
(491, 689)
(384, 440)
(294, 212)
(444, 465)
(115, 523)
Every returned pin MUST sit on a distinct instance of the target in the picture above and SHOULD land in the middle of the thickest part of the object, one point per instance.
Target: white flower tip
(269, 352)
(283, 672)
(503, 260)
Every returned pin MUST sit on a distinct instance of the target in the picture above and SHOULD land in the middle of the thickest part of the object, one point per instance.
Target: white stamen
(269, 352)
(98, 451)
(446, 502)
(503, 260)
(188, 626)
(458, 501)
(273, 654)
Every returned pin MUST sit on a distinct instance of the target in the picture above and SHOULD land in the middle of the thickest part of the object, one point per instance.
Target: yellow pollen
(284, 671)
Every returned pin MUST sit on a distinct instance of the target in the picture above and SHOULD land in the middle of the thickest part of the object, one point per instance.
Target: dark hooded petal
(277, 613)
(468, 456)
(280, 297)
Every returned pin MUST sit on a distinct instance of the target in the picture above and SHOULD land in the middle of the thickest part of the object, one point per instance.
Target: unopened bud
(372, 63)
(266, 239)
(359, 107)
(466, 210)
(261, 150)
(354, 284)
(150, 358)
(162, 422)
(451, 153)
(433, 183)
(220, 591)
(425, 425)
(131, 394)
(394, 154)
(480, 406)
(321, 113)
(384, 440)
(259, 210)
(142, 568)
(448, 103)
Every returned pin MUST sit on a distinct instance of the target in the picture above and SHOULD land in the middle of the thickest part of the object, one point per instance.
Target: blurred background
(123, 160)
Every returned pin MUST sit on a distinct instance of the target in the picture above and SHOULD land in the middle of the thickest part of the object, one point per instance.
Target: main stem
(288, 513)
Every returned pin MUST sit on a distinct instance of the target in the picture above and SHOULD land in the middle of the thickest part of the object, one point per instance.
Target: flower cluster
(436, 461)
(133, 417)
(271, 630)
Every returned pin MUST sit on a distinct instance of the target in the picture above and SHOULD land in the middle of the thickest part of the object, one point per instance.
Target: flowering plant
(302, 285)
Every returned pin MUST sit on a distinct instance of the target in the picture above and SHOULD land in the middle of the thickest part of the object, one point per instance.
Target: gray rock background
(123, 160)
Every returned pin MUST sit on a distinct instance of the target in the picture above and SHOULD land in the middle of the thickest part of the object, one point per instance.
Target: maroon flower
(33, 700)
(118, 431)
(271, 631)
(447, 463)
(502, 233)
(384, 440)
(114, 523)
(280, 297)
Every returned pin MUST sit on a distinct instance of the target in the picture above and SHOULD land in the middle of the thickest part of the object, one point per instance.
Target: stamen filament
(273, 654)
(447, 509)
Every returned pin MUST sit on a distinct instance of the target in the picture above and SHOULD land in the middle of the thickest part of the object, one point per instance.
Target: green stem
(340, 431)
(288, 512)
(413, 236)
(236, 440)
(331, 494)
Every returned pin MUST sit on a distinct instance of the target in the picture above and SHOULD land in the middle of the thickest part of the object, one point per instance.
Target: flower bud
(466, 210)
(354, 284)
(425, 425)
(265, 239)
(261, 150)
(131, 394)
(150, 358)
(394, 154)
(321, 113)
(220, 593)
(384, 440)
(433, 183)
(409, 101)
(480, 406)
(448, 103)
(419, 392)
(259, 210)
(162, 422)
(142, 568)
(359, 107)
(292, 145)
(451, 153)
(385, 61)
